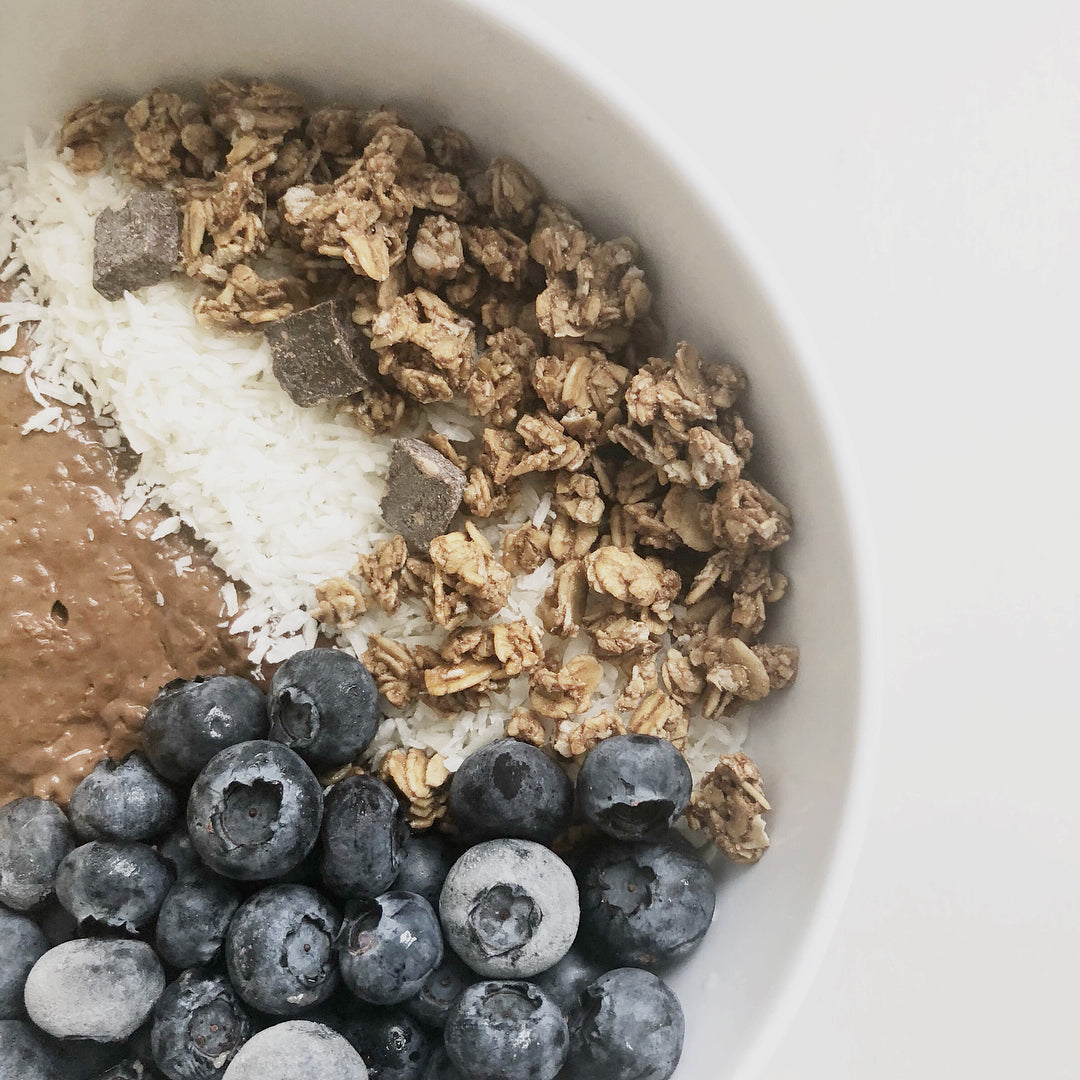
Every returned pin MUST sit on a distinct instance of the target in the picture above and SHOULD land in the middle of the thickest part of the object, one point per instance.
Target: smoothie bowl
(415, 519)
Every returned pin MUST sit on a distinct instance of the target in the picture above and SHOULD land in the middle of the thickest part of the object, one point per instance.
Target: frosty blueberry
(645, 903)
(629, 1026)
(254, 812)
(388, 947)
(191, 720)
(122, 800)
(506, 1031)
(323, 705)
(633, 785)
(510, 788)
(509, 908)
(279, 949)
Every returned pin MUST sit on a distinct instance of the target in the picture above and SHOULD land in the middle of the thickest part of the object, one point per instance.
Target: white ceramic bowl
(519, 89)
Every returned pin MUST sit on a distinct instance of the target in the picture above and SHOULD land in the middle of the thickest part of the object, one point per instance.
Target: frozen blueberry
(431, 1003)
(295, 1049)
(34, 837)
(124, 800)
(191, 720)
(509, 908)
(199, 1025)
(254, 811)
(645, 903)
(565, 981)
(510, 788)
(629, 1026)
(56, 922)
(21, 944)
(323, 704)
(280, 949)
(506, 1031)
(113, 884)
(193, 919)
(388, 946)
(363, 839)
(94, 988)
(425, 866)
(633, 785)
(393, 1045)
(28, 1054)
(179, 853)
(440, 1067)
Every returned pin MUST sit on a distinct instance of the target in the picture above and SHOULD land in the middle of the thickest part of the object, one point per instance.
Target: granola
(422, 780)
(729, 804)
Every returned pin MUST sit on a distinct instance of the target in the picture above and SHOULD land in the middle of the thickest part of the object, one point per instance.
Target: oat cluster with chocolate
(468, 283)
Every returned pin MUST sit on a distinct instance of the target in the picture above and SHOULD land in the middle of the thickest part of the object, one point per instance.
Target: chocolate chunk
(137, 245)
(423, 492)
(320, 354)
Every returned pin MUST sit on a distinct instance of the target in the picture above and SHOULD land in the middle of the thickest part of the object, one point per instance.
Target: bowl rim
(724, 218)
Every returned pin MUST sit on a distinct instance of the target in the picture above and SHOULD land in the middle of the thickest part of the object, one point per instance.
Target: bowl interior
(444, 62)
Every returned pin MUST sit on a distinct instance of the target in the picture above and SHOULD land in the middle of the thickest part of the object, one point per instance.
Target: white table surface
(911, 171)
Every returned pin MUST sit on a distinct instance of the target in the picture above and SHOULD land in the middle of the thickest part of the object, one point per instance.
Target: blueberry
(199, 1025)
(431, 1003)
(254, 811)
(393, 1045)
(565, 981)
(280, 949)
(94, 988)
(509, 908)
(56, 922)
(440, 1067)
(34, 837)
(510, 788)
(323, 704)
(193, 919)
(645, 903)
(388, 946)
(633, 785)
(191, 720)
(28, 1054)
(179, 853)
(506, 1031)
(364, 837)
(629, 1026)
(113, 884)
(297, 1049)
(427, 862)
(122, 800)
(21, 944)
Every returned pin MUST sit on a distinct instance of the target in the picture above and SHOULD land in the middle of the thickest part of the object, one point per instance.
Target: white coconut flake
(168, 527)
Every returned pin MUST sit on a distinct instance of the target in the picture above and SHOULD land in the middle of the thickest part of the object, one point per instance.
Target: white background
(911, 173)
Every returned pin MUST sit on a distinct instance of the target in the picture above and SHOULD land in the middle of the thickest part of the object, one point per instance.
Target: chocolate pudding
(94, 615)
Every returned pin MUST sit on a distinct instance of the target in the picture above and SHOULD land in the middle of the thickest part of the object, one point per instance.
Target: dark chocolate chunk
(423, 492)
(137, 245)
(320, 354)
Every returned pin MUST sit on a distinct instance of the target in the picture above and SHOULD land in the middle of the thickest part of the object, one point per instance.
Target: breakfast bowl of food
(433, 630)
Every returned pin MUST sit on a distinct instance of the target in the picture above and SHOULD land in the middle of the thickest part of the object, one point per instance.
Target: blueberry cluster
(205, 910)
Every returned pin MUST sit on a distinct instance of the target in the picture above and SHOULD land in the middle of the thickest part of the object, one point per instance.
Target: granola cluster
(473, 285)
